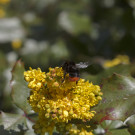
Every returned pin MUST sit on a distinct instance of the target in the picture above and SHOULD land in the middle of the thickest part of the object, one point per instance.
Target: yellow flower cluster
(2, 12)
(16, 44)
(2, 7)
(4, 1)
(58, 100)
(120, 59)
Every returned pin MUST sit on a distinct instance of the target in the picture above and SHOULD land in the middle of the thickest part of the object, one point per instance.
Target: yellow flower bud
(65, 113)
(16, 44)
(56, 84)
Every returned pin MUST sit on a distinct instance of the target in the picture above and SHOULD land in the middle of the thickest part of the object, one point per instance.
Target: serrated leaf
(15, 122)
(118, 132)
(130, 120)
(20, 91)
(120, 69)
(112, 124)
(11, 132)
(30, 132)
(131, 124)
(117, 87)
(118, 99)
(106, 129)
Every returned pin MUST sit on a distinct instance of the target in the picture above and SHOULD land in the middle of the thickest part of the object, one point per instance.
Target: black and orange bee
(72, 69)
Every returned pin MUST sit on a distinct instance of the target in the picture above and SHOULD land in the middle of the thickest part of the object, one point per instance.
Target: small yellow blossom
(72, 129)
(84, 132)
(55, 84)
(16, 44)
(57, 101)
(120, 59)
(36, 78)
(2, 13)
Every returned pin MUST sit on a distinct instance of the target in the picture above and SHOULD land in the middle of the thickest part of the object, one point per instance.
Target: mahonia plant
(58, 101)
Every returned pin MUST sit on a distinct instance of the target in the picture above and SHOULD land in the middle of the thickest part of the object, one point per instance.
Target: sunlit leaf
(13, 122)
(29, 132)
(118, 132)
(20, 91)
(111, 124)
(120, 69)
(118, 99)
(106, 129)
(131, 124)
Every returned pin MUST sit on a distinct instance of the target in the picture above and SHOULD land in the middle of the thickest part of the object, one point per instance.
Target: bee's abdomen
(73, 79)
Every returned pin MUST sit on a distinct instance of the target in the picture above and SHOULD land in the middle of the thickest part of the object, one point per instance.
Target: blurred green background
(44, 33)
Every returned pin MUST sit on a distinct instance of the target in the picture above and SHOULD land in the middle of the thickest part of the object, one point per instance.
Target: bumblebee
(72, 69)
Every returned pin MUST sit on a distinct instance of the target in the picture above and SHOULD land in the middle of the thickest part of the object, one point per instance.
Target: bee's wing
(82, 65)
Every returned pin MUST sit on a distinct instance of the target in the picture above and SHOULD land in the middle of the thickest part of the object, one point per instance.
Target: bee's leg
(78, 75)
(77, 81)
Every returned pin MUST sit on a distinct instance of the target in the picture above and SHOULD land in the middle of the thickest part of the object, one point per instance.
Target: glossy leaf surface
(20, 91)
(12, 122)
(118, 99)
